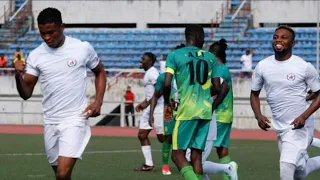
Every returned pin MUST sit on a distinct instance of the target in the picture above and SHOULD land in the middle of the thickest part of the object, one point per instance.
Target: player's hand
(263, 122)
(141, 106)
(298, 123)
(167, 113)
(19, 66)
(151, 121)
(93, 110)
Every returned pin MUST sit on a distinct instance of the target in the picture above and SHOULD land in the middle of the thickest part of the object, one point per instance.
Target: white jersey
(162, 66)
(150, 79)
(286, 84)
(63, 75)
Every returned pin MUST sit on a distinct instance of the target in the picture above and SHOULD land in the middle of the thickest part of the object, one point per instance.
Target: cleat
(166, 170)
(146, 168)
(233, 174)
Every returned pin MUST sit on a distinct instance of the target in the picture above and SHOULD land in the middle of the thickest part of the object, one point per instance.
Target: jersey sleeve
(160, 83)
(92, 59)
(312, 78)
(171, 66)
(31, 66)
(257, 79)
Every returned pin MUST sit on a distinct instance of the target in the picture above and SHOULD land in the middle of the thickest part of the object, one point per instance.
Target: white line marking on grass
(88, 152)
(107, 152)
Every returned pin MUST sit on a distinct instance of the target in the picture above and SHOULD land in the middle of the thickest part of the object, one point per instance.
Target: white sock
(206, 177)
(214, 168)
(146, 150)
(312, 165)
(287, 171)
(315, 142)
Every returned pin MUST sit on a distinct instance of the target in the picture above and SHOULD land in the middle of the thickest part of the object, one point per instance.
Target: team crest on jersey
(72, 62)
(291, 77)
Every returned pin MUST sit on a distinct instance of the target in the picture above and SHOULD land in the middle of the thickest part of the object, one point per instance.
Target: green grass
(258, 160)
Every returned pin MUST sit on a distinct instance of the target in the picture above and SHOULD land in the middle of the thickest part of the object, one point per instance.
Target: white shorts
(158, 120)
(67, 140)
(293, 145)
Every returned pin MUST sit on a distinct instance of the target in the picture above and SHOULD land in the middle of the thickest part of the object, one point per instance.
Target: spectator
(246, 61)
(129, 108)
(3, 62)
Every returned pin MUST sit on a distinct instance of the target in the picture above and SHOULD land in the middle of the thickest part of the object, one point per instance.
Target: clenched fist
(19, 66)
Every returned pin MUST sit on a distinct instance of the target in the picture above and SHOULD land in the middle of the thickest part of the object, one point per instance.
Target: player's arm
(312, 81)
(100, 82)
(94, 64)
(221, 94)
(25, 85)
(256, 86)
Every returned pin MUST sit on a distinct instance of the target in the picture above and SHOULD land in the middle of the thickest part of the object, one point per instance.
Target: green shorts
(190, 134)
(223, 134)
(169, 126)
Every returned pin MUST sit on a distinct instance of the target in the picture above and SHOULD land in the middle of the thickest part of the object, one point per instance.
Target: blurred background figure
(246, 61)
(129, 108)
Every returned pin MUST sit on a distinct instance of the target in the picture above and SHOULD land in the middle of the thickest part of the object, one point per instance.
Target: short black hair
(49, 15)
(180, 46)
(193, 30)
(219, 49)
(287, 28)
(151, 56)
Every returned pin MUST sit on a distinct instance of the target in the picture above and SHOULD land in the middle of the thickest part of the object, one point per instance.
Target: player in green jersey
(195, 71)
(223, 114)
(168, 123)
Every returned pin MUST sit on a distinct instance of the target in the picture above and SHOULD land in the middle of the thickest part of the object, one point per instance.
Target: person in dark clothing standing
(129, 106)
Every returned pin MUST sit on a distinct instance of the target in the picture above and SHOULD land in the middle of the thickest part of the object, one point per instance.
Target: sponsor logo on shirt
(291, 77)
(72, 62)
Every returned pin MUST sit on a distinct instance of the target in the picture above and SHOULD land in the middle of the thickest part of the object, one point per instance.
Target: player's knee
(196, 154)
(142, 136)
(63, 175)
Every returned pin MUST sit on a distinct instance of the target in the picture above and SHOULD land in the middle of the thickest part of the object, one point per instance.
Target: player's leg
(183, 133)
(198, 146)
(315, 142)
(51, 136)
(73, 140)
(133, 116)
(311, 164)
(166, 146)
(222, 144)
(127, 110)
(144, 130)
(293, 145)
(158, 123)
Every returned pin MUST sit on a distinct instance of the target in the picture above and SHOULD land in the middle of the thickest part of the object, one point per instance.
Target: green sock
(188, 173)
(200, 176)
(225, 160)
(165, 153)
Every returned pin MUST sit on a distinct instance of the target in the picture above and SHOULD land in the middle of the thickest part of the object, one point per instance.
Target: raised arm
(25, 85)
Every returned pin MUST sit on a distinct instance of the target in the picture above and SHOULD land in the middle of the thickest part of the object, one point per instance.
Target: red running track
(132, 132)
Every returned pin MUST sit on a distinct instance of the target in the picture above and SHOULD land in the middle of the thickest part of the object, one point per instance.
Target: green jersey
(224, 112)
(193, 69)
(160, 85)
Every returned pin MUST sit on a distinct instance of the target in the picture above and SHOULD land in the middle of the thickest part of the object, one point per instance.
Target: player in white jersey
(286, 78)
(150, 79)
(60, 64)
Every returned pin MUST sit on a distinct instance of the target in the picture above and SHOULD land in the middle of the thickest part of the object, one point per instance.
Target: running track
(132, 132)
